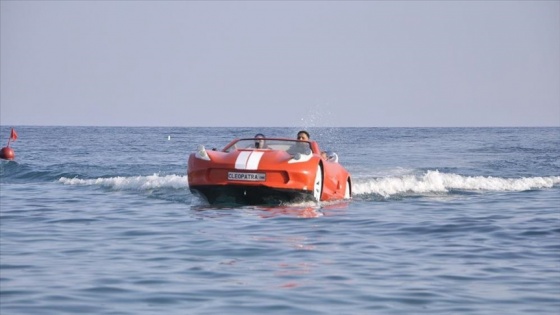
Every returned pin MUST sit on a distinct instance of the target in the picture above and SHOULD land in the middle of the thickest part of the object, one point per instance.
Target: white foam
(429, 182)
(132, 183)
(436, 182)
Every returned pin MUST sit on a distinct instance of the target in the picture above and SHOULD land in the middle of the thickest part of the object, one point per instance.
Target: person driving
(301, 146)
(260, 142)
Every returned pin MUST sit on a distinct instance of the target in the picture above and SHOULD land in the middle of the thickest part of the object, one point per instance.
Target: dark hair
(259, 135)
(305, 132)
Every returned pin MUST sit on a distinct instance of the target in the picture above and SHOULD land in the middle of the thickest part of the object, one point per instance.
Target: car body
(267, 171)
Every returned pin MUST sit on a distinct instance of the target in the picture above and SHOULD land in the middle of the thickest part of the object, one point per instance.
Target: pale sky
(280, 63)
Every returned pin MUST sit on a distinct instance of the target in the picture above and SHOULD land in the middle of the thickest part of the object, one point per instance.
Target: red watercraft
(267, 171)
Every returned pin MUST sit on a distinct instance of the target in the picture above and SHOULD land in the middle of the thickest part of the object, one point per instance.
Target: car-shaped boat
(255, 171)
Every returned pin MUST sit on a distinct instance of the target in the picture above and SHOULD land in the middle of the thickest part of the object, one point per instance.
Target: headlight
(298, 157)
(202, 154)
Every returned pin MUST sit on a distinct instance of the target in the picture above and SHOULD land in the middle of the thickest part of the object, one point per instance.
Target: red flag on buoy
(13, 135)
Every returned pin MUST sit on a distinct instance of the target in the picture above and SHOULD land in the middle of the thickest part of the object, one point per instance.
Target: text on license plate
(256, 177)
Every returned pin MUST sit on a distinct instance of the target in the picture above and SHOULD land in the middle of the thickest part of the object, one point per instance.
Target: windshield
(290, 146)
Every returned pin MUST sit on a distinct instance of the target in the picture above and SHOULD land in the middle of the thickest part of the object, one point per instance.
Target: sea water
(100, 220)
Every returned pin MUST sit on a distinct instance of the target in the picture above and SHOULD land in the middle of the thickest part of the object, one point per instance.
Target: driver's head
(303, 135)
(259, 140)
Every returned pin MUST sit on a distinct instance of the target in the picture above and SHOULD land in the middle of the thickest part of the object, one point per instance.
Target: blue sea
(100, 220)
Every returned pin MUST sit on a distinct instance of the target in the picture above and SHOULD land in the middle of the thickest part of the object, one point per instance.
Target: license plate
(254, 177)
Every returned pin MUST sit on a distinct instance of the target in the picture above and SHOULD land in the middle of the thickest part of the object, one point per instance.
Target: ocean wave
(15, 172)
(154, 181)
(436, 182)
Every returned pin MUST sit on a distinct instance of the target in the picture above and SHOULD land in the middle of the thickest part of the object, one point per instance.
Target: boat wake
(429, 182)
(151, 182)
(435, 182)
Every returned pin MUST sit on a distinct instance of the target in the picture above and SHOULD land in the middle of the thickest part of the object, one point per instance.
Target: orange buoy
(7, 153)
